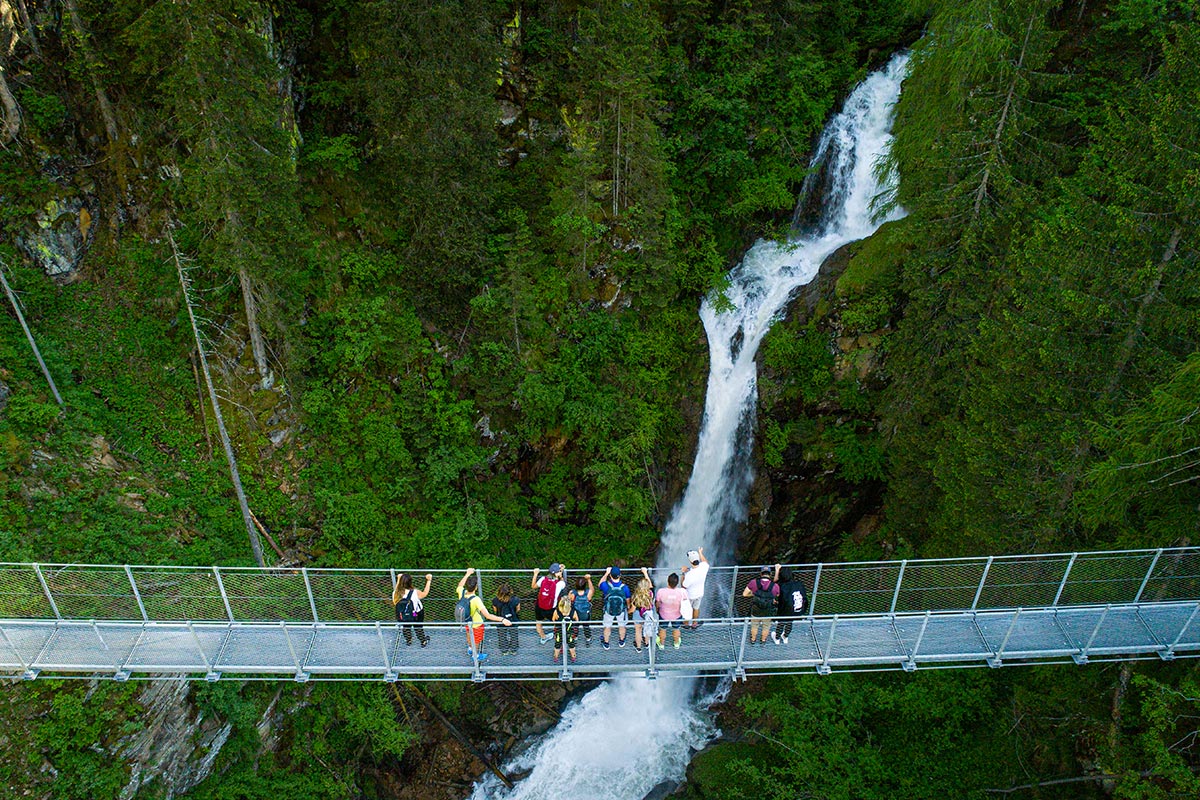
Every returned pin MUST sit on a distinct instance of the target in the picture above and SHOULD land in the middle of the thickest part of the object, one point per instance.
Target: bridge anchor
(212, 677)
(30, 674)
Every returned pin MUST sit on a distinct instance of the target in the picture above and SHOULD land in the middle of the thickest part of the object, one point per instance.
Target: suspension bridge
(124, 622)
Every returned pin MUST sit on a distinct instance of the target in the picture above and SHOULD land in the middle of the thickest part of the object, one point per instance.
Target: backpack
(508, 608)
(764, 598)
(649, 624)
(614, 601)
(547, 593)
(583, 606)
(406, 609)
(462, 610)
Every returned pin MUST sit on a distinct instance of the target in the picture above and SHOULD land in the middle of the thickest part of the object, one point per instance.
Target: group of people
(568, 609)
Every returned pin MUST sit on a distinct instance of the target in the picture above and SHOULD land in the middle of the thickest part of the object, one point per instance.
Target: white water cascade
(629, 735)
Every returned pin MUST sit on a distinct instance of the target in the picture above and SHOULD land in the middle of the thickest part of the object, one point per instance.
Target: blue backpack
(582, 605)
(614, 601)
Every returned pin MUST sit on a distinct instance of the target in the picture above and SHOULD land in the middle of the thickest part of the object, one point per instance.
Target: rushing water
(629, 735)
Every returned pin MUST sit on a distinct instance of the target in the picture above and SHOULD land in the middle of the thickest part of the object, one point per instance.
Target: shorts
(670, 623)
(542, 614)
(620, 619)
(638, 616)
(478, 636)
(754, 612)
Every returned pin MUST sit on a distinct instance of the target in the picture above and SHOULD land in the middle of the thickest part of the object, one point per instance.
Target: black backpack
(764, 597)
(406, 609)
(462, 609)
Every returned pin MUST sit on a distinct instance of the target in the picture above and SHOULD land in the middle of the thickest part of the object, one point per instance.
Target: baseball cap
(693, 556)
(765, 571)
(555, 567)
(615, 572)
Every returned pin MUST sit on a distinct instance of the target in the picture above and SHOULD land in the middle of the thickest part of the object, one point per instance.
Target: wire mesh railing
(320, 595)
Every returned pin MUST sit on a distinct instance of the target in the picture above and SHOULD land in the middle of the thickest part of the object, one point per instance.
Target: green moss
(875, 262)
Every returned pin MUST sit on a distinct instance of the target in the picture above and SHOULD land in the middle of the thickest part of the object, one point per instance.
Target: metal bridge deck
(377, 651)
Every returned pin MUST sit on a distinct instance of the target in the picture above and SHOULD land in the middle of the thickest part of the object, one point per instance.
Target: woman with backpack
(410, 611)
(765, 591)
(670, 602)
(643, 611)
(581, 601)
(565, 616)
(506, 604)
(548, 589)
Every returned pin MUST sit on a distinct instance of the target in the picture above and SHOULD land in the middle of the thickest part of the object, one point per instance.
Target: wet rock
(4, 393)
(60, 236)
(178, 745)
(662, 790)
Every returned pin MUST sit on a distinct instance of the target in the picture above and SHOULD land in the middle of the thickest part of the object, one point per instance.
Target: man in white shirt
(693, 582)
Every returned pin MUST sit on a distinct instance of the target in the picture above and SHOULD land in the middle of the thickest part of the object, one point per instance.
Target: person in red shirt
(765, 591)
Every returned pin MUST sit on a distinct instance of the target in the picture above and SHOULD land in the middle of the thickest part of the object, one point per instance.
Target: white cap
(693, 555)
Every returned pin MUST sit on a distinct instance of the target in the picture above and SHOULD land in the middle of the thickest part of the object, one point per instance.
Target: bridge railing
(244, 594)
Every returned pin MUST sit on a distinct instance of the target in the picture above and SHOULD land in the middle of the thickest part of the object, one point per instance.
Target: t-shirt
(760, 584)
(477, 606)
(416, 600)
(670, 603)
(507, 608)
(792, 599)
(693, 581)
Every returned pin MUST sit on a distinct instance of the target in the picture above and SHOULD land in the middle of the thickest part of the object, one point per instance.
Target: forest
(445, 258)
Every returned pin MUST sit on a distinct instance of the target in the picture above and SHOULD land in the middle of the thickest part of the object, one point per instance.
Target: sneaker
(621, 643)
(481, 657)
(605, 645)
(546, 638)
(637, 648)
(572, 659)
(783, 639)
(676, 645)
(424, 643)
(774, 637)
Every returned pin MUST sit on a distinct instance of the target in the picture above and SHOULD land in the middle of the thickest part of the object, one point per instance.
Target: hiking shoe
(676, 645)
(621, 643)
(605, 645)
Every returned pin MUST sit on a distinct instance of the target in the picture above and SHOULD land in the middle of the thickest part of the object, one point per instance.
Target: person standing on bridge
(565, 620)
(548, 589)
(643, 611)
(616, 605)
(410, 611)
(469, 605)
(670, 609)
(793, 601)
(581, 600)
(765, 591)
(507, 605)
(693, 583)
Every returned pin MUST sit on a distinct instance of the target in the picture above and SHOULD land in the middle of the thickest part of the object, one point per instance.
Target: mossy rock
(709, 773)
(875, 262)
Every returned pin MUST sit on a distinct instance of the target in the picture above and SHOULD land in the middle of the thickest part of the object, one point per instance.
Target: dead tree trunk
(93, 65)
(12, 298)
(255, 544)
(257, 347)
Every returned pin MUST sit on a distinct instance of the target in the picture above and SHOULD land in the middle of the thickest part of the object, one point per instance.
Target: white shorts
(620, 619)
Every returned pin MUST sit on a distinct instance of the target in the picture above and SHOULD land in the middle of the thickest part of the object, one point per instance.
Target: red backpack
(547, 593)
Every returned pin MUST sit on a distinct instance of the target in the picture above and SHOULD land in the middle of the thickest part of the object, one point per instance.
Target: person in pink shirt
(670, 609)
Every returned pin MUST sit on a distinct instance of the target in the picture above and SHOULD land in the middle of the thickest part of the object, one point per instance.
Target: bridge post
(389, 674)
(1169, 653)
(652, 646)
(46, 588)
(565, 673)
(210, 675)
(823, 668)
(733, 593)
(997, 658)
(982, 580)
(136, 594)
(739, 667)
(221, 588)
(301, 676)
(899, 580)
(910, 663)
(1063, 584)
(1154, 563)
(312, 603)
(1082, 657)
(812, 602)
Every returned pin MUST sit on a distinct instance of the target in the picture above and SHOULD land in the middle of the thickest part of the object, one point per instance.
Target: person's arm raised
(428, 583)
(463, 580)
(533, 583)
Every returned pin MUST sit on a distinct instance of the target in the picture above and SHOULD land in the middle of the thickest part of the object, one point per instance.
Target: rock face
(178, 745)
(60, 236)
(4, 393)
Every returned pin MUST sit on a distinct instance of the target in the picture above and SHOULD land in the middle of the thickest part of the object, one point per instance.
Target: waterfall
(629, 735)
